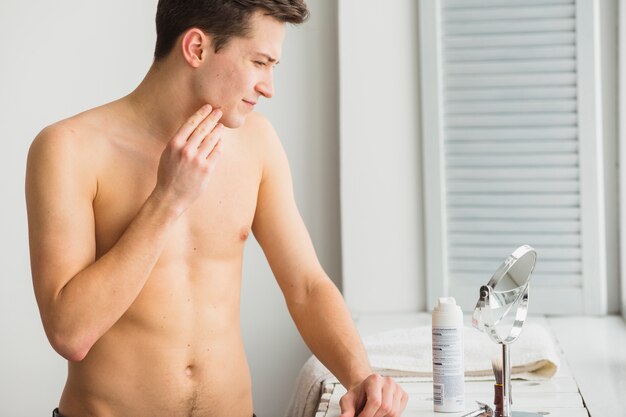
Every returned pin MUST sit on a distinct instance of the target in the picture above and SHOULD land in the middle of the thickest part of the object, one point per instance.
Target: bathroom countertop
(591, 380)
(595, 350)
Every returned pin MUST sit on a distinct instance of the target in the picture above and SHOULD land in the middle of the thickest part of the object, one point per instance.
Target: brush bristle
(496, 365)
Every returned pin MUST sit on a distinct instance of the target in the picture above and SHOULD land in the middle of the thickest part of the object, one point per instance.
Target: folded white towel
(407, 352)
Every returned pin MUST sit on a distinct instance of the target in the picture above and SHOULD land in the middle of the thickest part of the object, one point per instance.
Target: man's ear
(194, 45)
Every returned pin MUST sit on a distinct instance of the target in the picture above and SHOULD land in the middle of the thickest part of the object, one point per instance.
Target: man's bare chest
(216, 225)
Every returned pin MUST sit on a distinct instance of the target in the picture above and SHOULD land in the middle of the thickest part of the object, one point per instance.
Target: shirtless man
(138, 213)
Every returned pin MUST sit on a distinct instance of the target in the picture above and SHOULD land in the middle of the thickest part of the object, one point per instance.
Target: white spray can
(448, 368)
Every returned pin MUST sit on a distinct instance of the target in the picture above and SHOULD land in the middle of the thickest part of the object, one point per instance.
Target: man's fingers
(398, 405)
(192, 123)
(204, 129)
(215, 152)
(386, 398)
(348, 405)
(377, 397)
(210, 142)
(405, 400)
(373, 389)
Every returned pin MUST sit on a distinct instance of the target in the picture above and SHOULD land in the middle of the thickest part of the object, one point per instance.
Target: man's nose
(266, 86)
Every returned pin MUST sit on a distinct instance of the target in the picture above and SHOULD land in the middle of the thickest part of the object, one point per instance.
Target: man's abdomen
(177, 351)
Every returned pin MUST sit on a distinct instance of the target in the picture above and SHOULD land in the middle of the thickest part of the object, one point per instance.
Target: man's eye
(260, 63)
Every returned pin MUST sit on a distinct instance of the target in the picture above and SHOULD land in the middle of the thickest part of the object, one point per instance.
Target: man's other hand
(376, 396)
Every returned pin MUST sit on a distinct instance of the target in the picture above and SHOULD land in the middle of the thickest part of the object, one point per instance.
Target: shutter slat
(511, 81)
(497, 253)
(506, 174)
(518, 107)
(509, 26)
(521, 39)
(513, 200)
(522, 120)
(499, 147)
(509, 13)
(568, 92)
(490, 265)
(517, 67)
(523, 226)
(514, 213)
(520, 134)
(464, 4)
(512, 160)
(511, 53)
(560, 240)
(497, 186)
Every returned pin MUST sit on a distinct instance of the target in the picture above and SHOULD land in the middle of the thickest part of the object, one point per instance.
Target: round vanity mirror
(503, 302)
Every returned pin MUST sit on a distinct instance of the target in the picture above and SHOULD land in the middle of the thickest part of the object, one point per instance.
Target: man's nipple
(244, 233)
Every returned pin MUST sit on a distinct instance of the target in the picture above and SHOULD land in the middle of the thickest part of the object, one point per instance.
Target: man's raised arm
(79, 297)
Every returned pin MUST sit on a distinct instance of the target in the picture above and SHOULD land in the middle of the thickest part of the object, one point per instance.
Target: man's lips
(252, 103)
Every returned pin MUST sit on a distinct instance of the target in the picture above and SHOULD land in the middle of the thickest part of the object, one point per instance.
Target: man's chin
(233, 121)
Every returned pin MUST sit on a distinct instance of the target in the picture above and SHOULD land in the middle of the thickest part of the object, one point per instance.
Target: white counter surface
(591, 380)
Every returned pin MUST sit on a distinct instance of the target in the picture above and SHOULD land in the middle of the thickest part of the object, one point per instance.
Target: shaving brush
(498, 394)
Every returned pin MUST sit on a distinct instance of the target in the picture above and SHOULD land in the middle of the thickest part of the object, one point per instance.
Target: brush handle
(497, 400)
(506, 381)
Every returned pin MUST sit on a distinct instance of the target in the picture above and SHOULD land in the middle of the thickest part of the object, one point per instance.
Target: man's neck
(161, 103)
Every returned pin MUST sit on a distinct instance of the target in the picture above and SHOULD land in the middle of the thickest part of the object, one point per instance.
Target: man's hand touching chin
(375, 396)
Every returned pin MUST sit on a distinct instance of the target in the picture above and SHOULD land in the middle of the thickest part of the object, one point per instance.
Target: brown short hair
(222, 19)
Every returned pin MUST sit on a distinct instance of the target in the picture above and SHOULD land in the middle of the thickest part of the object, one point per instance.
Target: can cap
(446, 304)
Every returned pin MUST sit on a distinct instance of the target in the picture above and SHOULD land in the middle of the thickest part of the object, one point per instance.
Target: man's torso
(177, 351)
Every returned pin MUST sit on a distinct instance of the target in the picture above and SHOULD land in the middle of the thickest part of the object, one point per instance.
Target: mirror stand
(501, 312)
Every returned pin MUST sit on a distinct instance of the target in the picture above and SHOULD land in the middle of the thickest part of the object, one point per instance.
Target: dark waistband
(56, 413)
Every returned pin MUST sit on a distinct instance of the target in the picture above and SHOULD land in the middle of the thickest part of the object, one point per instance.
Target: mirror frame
(517, 298)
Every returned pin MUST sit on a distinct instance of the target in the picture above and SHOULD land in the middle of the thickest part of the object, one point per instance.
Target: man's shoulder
(77, 135)
(258, 125)
(267, 145)
(73, 142)
(259, 133)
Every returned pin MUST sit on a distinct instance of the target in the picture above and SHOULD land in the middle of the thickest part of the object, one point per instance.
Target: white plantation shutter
(513, 149)
(622, 146)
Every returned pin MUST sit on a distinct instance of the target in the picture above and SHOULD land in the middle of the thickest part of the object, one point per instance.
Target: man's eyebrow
(269, 58)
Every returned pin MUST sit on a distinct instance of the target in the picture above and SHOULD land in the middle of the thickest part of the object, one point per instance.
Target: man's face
(242, 71)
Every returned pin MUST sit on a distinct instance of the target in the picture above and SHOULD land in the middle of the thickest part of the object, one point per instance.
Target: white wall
(383, 265)
(59, 58)
(622, 148)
